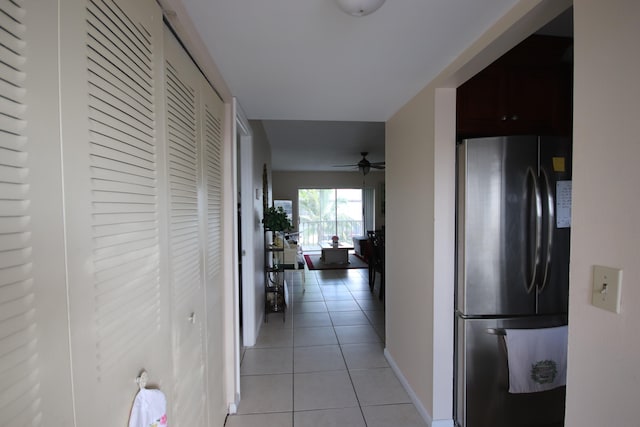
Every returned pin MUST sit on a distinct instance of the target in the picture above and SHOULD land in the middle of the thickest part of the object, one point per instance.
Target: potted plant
(275, 219)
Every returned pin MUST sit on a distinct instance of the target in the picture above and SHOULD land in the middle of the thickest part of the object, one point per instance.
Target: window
(287, 205)
(324, 213)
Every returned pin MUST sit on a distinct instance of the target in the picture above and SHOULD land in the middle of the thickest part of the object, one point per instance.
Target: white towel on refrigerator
(537, 359)
(149, 409)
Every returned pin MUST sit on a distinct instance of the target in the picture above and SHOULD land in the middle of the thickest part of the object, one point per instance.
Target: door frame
(243, 163)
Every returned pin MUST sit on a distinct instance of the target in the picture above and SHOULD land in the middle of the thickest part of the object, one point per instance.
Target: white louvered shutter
(185, 237)
(18, 330)
(34, 358)
(212, 131)
(112, 149)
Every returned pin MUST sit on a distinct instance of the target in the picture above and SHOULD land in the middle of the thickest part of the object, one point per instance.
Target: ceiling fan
(364, 165)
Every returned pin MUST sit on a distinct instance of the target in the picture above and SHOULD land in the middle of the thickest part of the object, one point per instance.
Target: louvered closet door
(35, 386)
(212, 131)
(185, 237)
(112, 129)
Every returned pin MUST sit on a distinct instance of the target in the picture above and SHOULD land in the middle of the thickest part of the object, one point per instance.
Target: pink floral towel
(149, 409)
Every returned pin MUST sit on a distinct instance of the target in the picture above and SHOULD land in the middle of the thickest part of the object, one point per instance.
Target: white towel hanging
(537, 359)
(149, 408)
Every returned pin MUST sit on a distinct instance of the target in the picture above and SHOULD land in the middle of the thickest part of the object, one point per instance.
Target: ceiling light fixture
(359, 7)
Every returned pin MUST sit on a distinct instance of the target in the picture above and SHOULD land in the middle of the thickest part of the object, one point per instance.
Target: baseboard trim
(233, 409)
(412, 395)
(233, 406)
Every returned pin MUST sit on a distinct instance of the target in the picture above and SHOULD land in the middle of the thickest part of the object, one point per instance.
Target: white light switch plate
(607, 286)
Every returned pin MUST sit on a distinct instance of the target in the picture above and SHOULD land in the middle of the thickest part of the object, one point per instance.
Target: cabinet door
(481, 103)
(533, 98)
(112, 130)
(527, 91)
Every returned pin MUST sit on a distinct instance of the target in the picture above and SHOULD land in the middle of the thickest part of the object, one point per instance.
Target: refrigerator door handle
(535, 261)
(550, 219)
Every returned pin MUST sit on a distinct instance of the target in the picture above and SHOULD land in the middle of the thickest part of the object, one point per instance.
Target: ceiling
(304, 66)
(302, 145)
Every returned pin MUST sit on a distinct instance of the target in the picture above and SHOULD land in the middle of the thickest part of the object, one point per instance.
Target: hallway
(324, 366)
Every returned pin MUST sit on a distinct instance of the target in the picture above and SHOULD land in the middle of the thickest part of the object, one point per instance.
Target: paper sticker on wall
(558, 164)
(563, 204)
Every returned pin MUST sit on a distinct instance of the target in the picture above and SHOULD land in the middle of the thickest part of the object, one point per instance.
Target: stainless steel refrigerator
(513, 227)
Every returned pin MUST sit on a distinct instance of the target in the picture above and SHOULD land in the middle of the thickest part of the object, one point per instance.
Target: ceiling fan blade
(363, 164)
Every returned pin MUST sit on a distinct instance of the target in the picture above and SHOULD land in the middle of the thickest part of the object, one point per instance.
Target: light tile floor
(324, 365)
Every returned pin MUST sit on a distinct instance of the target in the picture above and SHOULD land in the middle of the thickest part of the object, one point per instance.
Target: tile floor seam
(293, 362)
(344, 359)
(333, 326)
(353, 385)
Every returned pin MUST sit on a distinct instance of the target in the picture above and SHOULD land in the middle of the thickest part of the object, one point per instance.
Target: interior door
(212, 125)
(35, 370)
(184, 155)
(195, 154)
(112, 127)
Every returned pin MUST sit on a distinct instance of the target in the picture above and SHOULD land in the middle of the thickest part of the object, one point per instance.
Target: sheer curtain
(368, 208)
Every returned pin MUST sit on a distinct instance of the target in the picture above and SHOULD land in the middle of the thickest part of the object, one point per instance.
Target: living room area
(330, 225)
(323, 205)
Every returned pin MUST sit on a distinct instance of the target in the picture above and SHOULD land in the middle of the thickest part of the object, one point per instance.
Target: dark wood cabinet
(527, 91)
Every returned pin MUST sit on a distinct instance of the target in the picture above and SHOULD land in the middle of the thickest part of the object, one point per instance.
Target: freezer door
(482, 378)
(555, 179)
(497, 217)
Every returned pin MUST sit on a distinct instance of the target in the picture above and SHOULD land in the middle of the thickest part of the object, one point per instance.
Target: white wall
(420, 158)
(409, 239)
(261, 157)
(286, 185)
(604, 348)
